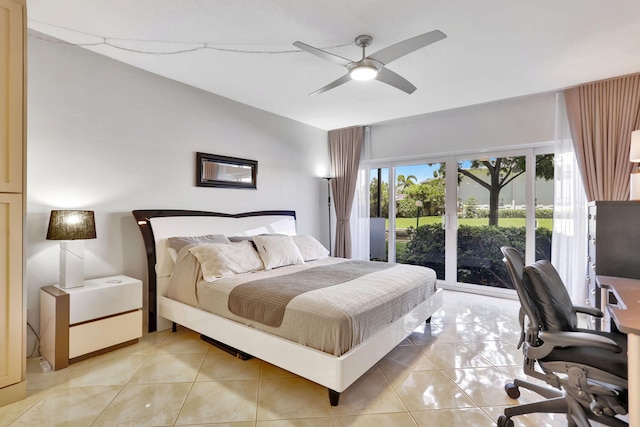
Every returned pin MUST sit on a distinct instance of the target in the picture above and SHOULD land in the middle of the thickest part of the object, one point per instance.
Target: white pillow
(226, 259)
(310, 248)
(277, 251)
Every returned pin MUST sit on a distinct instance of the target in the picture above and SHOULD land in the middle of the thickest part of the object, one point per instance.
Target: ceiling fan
(374, 66)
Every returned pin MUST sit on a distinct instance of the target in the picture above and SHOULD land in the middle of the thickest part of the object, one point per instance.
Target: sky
(421, 172)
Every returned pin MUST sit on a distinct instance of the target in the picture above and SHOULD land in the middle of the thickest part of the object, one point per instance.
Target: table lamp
(71, 227)
(634, 157)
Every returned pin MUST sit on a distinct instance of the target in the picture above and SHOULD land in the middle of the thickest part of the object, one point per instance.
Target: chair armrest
(593, 311)
(580, 339)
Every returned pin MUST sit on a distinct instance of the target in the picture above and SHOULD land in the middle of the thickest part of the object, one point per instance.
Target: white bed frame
(335, 373)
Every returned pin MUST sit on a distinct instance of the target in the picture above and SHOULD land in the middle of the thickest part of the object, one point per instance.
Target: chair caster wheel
(513, 391)
(504, 421)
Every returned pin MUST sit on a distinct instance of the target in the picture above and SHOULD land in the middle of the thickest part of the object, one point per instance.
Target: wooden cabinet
(12, 95)
(11, 294)
(12, 149)
(100, 316)
(613, 245)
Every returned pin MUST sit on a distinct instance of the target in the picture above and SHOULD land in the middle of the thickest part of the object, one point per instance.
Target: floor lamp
(329, 178)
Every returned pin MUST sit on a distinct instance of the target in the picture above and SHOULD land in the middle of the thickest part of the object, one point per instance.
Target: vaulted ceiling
(242, 49)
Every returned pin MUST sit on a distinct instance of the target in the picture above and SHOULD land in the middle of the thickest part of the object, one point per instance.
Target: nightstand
(78, 323)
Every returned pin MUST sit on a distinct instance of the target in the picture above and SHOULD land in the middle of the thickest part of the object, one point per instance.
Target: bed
(213, 308)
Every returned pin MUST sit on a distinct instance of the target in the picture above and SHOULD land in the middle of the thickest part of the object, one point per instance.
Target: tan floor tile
(142, 347)
(425, 390)
(240, 424)
(499, 352)
(485, 386)
(9, 413)
(287, 398)
(375, 369)
(370, 394)
(145, 405)
(75, 406)
(377, 420)
(425, 334)
(155, 338)
(220, 401)
(267, 370)
(184, 342)
(305, 422)
(504, 326)
(38, 380)
(405, 358)
(117, 371)
(463, 332)
(453, 417)
(451, 355)
(223, 366)
(166, 368)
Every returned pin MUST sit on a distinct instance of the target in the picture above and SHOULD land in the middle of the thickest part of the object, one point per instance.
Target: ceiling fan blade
(389, 77)
(402, 48)
(323, 54)
(335, 83)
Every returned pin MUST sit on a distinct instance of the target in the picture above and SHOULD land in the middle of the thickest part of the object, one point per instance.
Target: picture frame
(225, 172)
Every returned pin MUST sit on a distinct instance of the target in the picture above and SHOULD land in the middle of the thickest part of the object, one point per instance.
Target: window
(379, 214)
(456, 224)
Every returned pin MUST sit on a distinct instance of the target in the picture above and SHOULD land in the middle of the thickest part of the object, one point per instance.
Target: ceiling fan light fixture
(363, 72)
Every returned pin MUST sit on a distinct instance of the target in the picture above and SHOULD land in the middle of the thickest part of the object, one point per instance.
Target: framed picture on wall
(225, 172)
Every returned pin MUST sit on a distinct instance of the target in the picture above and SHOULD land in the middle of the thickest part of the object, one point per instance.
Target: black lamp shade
(71, 225)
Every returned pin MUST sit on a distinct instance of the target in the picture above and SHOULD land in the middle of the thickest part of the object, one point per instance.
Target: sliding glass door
(456, 224)
(379, 214)
(492, 207)
(420, 205)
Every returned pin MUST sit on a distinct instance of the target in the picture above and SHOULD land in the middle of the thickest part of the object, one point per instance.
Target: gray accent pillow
(177, 243)
(240, 238)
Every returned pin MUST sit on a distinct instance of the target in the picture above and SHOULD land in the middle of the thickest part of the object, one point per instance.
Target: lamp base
(634, 194)
(71, 264)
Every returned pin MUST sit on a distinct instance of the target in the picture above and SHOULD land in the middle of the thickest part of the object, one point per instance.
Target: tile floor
(449, 373)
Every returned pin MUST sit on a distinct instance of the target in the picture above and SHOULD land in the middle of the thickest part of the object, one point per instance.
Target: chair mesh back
(549, 297)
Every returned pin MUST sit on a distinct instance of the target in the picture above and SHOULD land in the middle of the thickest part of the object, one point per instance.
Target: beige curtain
(345, 146)
(602, 116)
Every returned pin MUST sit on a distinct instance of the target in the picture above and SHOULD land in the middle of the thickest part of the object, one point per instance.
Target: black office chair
(588, 369)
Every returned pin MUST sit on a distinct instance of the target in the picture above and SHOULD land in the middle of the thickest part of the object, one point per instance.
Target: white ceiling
(495, 49)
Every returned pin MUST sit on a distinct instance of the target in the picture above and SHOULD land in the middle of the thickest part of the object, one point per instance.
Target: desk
(626, 315)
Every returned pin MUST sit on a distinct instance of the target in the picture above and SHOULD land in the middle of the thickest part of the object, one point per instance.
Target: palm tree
(404, 182)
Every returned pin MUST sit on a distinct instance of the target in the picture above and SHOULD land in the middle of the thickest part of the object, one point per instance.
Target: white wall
(505, 124)
(111, 138)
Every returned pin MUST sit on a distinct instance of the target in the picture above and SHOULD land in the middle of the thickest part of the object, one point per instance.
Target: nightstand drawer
(92, 336)
(104, 297)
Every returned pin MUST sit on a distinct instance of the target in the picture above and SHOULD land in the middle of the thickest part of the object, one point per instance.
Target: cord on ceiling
(110, 41)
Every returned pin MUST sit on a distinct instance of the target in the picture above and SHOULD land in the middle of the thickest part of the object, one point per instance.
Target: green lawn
(502, 222)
